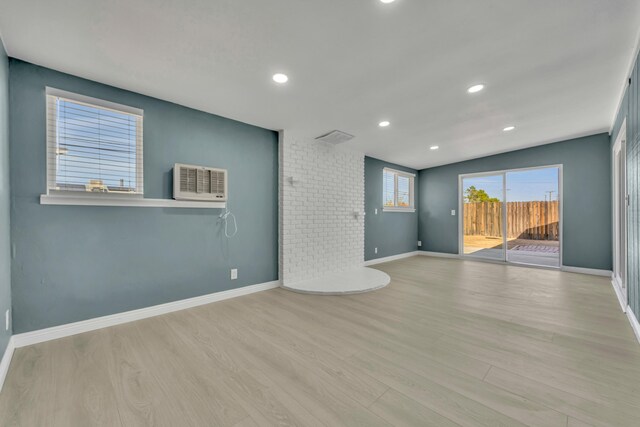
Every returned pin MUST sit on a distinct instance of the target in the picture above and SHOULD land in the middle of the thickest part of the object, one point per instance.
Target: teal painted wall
(586, 194)
(392, 233)
(5, 244)
(630, 109)
(77, 262)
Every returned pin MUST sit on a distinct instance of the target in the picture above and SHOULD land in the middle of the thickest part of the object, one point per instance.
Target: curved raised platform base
(354, 281)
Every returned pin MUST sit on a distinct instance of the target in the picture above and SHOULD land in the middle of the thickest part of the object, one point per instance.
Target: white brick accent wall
(321, 191)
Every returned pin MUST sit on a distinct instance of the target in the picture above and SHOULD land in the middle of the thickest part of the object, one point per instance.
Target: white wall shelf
(390, 209)
(71, 200)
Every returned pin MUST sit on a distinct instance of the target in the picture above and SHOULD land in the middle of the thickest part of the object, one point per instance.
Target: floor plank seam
(487, 373)
(539, 402)
(434, 410)
(378, 398)
(448, 343)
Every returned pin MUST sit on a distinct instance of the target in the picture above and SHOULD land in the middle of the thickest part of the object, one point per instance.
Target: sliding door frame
(461, 179)
(504, 173)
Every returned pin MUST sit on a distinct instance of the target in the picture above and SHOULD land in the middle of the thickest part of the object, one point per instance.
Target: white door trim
(620, 226)
(6, 361)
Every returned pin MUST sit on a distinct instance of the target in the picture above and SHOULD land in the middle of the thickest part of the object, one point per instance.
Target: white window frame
(98, 103)
(397, 173)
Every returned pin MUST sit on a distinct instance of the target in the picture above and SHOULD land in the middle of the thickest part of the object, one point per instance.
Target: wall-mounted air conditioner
(199, 183)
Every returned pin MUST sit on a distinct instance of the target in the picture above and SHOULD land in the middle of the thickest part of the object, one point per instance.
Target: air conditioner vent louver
(335, 137)
(199, 183)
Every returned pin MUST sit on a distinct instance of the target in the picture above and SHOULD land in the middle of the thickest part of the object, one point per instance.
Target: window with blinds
(397, 188)
(93, 146)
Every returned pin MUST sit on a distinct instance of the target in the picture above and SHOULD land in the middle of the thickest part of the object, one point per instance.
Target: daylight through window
(398, 190)
(93, 145)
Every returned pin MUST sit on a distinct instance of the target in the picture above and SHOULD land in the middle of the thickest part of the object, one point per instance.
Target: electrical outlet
(419, 243)
(6, 319)
(453, 212)
(234, 273)
(376, 211)
(375, 250)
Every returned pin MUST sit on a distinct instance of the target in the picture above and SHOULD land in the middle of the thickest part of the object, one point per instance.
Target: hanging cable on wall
(225, 217)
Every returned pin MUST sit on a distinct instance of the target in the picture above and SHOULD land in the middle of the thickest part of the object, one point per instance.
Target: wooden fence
(525, 220)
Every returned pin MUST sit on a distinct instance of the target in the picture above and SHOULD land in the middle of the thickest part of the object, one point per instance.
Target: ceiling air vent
(335, 137)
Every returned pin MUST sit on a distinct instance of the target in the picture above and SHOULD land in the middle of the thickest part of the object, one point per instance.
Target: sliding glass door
(533, 216)
(512, 216)
(483, 218)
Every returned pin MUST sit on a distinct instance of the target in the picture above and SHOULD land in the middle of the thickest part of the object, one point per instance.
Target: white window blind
(398, 193)
(404, 193)
(93, 145)
(389, 186)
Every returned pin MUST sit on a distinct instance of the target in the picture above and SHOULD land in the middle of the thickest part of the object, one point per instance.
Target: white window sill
(405, 210)
(136, 202)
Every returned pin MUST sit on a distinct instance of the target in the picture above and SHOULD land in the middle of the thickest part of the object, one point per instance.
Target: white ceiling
(555, 69)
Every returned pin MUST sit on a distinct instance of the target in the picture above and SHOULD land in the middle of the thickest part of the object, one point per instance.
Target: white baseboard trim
(439, 254)
(390, 258)
(591, 271)
(634, 323)
(6, 361)
(55, 332)
(621, 298)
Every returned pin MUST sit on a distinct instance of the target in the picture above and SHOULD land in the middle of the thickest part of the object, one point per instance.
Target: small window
(93, 146)
(398, 191)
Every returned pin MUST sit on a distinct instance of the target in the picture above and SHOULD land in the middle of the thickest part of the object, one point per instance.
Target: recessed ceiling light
(384, 124)
(387, 1)
(434, 147)
(280, 78)
(475, 88)
(509, 128)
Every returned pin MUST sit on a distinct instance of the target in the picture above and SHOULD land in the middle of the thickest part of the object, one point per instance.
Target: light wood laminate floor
(447, 343)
